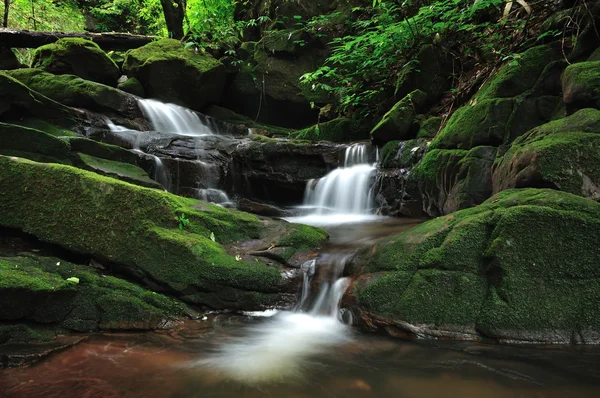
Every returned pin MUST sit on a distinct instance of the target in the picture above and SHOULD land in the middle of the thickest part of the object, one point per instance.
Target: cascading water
(343, 195)
(171, 118)
(281, 347)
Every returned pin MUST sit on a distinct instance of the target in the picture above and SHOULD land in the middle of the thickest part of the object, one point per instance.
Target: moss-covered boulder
(429, 127)
(74, 91)
(520, 267)
(402, 154)
(75, 56)
(169, 72)
(208, 260)
(562, 154)
(122, 171)
(581, 86)
(32, 144)
(340, 129)
(399, 122)
(132, 86)
(455, 179)
(49, 291)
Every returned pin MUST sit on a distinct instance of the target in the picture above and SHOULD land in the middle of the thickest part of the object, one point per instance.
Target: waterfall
(171, 118)
(281, 347)
(346, 189)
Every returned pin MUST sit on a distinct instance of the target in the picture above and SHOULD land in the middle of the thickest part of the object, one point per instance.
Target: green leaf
(73, 279)
(212, 237)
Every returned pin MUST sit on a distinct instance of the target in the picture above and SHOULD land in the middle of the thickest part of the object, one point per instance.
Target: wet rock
(171, 73)
(21, 354)
(132, 86)
(520, 267)
(263, 209)
(76, 56)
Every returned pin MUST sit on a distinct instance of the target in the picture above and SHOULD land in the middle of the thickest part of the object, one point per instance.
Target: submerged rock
(520, 267)
(197, 251)
(76, 56)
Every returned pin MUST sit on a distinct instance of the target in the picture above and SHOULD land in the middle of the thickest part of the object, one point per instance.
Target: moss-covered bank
(136, 229)
(522, 266)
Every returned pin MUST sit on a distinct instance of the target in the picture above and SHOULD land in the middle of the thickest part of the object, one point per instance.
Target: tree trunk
(6, 8)
(107, 41)
(174, 11)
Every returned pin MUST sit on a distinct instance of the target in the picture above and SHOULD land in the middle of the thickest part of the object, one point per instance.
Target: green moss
(45, 126)
(581, 85)
(336, 130)
(136, 227)
(21, 333)
(102, 150)
(303, 237)
(79, 57)
(17, 140)
(37, 289)
(522, 265)
(484, 123)
(170, 72)
(429, 128)
(74, 91)
(402, 154)
(132, 86)
(398, 122)
(122, 171)
(520, 74)
(562, 153)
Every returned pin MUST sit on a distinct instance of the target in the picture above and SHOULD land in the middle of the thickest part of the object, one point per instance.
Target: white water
(171, 118)
(343, 195)
(281, 347)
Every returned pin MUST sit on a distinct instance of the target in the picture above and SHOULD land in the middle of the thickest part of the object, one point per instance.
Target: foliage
(49, 15)
(184, 222)
(363, 66)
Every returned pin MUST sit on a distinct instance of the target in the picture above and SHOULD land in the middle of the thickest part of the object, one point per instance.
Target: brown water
(300, 355)
(164, 365)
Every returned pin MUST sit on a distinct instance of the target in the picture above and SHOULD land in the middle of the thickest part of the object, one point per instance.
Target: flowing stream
(304, 353)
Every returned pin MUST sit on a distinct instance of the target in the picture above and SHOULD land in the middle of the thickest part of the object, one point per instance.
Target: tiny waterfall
(281, 347)
(345, 190)
(171, 118)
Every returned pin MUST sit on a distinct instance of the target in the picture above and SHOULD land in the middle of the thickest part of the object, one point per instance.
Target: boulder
(74, 91)
(399, 122)
(133, 86)
(451, 180)
(171, 73)
(194, 250)
(340, 129)
(522, 267)
(562, 154)
(76, 56)
(62, 296)
(581, 86)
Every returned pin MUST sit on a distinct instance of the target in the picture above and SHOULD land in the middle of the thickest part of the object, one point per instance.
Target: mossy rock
(402, 154)
(76, 56)
(562, 154)
(429, 127)
(122, 171)
(522, 266)
(337, 130)
(171, 73)
(399, 122)
(479, 123)
(455, 179)
(17, 100)
(581, 86)
(74, 91)
(32, 144)
(136, 229)
(66, 296)
(520, 74)
(45, 126)
(132, 86)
